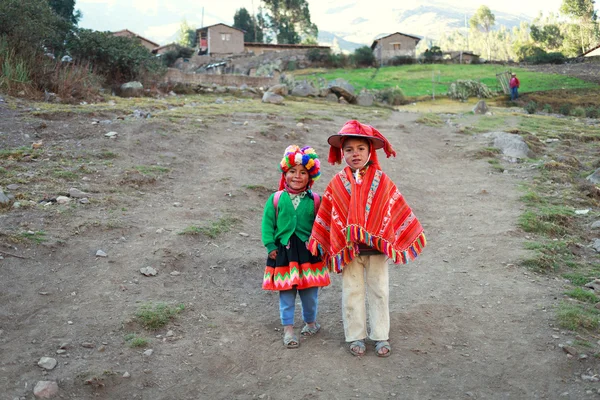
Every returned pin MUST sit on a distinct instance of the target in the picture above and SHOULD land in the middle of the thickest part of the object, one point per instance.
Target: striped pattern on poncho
(372, 212)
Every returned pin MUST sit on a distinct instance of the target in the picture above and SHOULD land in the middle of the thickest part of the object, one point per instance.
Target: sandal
(360, 344)
(290, 341)
(310, 330)
(384, 344)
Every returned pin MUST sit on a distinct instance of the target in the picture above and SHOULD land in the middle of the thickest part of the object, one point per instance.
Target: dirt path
(467, 323)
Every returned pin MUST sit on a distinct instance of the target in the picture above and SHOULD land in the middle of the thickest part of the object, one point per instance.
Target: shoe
(310, 331)
(290, 341)
(383, 344)
(361, 348)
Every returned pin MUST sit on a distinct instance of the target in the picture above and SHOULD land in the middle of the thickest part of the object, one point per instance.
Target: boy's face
(297, 177)
(356, 152)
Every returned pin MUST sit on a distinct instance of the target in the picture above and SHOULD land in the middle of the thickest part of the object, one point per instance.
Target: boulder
(304, 89)
(511, 145)
(343, 89)
(274, 98)
(324, 92)
(595, 177)
(365, 99)
(280, 89)
(131, 89)
(481, 107)
(45, 389)
(331, 97)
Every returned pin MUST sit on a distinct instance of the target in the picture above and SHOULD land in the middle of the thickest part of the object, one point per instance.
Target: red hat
(355, 129)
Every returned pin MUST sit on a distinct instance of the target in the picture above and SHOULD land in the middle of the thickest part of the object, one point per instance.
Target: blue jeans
(514, 93)
(287, 305)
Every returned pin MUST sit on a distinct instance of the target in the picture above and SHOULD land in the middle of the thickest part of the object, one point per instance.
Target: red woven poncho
(372, 212)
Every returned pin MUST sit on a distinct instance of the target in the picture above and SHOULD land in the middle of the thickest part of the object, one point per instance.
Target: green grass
(547, 220)
(216, 228)
(582, 295)
(577, 316)
(578, 279)
(151, 169)
(430, 120)
(416, 80)
(496, 165)
(136, 341)
(37, 237)
(155, 316)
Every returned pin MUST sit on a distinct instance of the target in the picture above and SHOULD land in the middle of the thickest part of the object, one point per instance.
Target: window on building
(395, 46)
(226, 37)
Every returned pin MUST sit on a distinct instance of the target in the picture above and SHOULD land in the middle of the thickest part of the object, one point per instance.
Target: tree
(483, 20)
(583, 12)
(186, 35)
(364, 57)
(66, 10)
(548, 35)
(249, 24)
(29, 24)
(289, 20)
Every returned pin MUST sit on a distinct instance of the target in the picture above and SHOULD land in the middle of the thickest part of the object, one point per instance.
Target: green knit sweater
(288, 221)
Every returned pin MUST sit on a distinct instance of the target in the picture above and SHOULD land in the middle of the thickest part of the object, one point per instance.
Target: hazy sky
(159, 20)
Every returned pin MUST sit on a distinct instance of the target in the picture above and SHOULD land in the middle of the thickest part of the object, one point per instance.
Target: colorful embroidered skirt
(295, 267)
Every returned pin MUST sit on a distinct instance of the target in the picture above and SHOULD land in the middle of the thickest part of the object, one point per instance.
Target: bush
(529, 51)
(578, 112)
(117, 58)
(392, 96)
(547, 109)
(364, 57)
(171, 56)
(318, 55)
(591, 112)
(565, 109)
(339, 60)
(401, 60)
(531, 107)
(463, 89)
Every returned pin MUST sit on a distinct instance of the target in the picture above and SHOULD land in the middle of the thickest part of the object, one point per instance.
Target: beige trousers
(366, 274)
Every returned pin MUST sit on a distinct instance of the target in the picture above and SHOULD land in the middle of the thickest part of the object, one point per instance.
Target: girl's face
(297, 177)
(356, 152)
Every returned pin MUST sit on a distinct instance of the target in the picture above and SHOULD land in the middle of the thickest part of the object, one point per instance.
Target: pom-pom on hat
(354, 129)
(305, 156)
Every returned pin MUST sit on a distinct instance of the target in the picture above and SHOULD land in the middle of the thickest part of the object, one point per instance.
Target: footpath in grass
(427, 79)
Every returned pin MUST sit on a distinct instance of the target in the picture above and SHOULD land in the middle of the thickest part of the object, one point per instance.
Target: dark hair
(359, 138)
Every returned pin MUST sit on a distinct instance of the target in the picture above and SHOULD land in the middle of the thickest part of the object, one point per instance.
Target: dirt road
(466, 321)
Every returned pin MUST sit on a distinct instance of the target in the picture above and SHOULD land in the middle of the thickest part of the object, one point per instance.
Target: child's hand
(273, 254)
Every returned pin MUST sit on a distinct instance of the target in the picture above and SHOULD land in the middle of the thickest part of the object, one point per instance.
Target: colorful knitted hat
(354, 129)
(305, 156)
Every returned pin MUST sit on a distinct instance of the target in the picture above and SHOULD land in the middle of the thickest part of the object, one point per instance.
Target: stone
(148, 271)
(342, 100)
(175, 273)
(47, 363)
(4, 200)
(596, 245)
(126, 375)
(101, 253)
(280, 89)
(219, 101)
(76, 193)
(304, 89)
(244, 234)
(596, 225)
(481, 107)
(148, 352)
(365, 99)
(170, 333)
(45, 389)
(343, 89)
(85, 200)
(270, 97)
(13, 186)
(88, 345)
(111, 134)
(570, 350)
(511, 145)
(131, 89)
(331, 97)
(595, 177)
(63, 200)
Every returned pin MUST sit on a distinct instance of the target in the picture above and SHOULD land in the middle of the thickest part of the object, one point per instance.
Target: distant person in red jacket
(514, 87)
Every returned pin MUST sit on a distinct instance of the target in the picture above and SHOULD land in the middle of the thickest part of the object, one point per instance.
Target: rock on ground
(511, 145)
(45, 389)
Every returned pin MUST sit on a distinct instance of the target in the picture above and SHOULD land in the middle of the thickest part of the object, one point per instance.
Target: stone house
(396, 44)
(164, 48)
(461, 57)
(219, 39)
(149, 44)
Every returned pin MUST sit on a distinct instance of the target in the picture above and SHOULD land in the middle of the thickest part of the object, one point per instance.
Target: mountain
(429, 20)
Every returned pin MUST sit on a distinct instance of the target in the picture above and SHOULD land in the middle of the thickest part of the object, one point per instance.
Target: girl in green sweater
(287, 222)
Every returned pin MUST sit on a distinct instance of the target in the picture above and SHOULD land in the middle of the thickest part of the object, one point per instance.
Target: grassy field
(423, 80)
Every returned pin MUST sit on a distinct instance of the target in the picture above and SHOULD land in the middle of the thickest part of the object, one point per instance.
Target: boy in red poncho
(363, 221)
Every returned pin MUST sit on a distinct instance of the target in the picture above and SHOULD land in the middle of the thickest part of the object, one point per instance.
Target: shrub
(547, 108)
(463, 89)
(578, 112)
(401, 60)
(339, 60)
(565, 109)
(171, 56)
(531, 107)
(363, 56)
(529, 51)
(317, 55)
(392, 96)
(155, 316)
(591, 112)
(117, 58)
